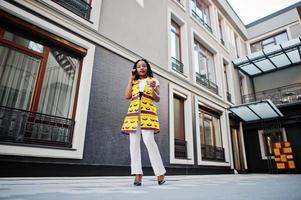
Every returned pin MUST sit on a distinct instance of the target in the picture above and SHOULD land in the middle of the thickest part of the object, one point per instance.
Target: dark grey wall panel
(104, 144)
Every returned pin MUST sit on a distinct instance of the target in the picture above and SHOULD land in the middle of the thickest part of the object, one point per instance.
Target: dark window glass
(179, 119)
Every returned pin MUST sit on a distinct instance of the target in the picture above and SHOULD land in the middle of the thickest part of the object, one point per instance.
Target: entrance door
(237, 150)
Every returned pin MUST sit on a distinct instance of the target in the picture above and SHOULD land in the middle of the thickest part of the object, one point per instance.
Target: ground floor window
(211, 136)
(38, 88)
(181, 134)
(179, 124)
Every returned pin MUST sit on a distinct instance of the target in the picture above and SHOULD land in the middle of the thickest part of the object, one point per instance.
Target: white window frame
(225, 30)
(224, 133)
(261, 143)
(174, 89)
(76, 152)
(184, 45)
(212, 19)
(206, 44)
(62, 15)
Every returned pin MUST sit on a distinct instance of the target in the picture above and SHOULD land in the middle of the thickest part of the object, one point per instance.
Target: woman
(142, 119)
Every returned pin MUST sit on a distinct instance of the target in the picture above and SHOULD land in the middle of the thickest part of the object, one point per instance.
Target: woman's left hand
(155, 89)
(153, 84)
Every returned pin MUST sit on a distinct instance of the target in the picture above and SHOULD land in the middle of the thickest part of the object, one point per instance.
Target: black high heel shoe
(161, 182)
(138, 183)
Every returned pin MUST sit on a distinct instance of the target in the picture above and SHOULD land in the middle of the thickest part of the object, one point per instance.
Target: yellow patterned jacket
(143, 111)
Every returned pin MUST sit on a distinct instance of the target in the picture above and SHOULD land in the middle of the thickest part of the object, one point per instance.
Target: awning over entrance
(274, 58)
(254, 111)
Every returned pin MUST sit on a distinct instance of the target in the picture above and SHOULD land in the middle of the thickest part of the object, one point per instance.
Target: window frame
(209, 59)
(185, 94)
(209, 116)
(224, 132)
(35, 98)
(178, 35)
(82, 47)
(173, 16)
(196, 36)
(273, 37)
(213, 85)
(88, 2)
(205, 6)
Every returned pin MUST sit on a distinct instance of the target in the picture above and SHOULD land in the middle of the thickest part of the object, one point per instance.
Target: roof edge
(279, 12)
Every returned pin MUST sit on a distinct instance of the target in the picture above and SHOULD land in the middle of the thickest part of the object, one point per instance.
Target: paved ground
(213, 187)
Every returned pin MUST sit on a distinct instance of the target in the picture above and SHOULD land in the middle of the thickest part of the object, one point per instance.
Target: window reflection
(24, 42)
(204, 64)
(269, 42)
(59, 84)
(18, 73)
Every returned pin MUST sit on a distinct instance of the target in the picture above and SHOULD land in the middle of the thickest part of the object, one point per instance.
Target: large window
(204, 67)
(38, 86)
(200, 10)
(179, 127)
(269, 42)
(211, 137)
(176, 57)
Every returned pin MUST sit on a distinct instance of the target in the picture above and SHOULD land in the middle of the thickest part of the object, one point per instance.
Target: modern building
(272, 69)
(64, 66)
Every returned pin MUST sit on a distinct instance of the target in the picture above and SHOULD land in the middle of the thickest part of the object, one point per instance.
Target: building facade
(274, 52)
(65, 65)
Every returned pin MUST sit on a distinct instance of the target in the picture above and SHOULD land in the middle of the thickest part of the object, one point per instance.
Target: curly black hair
(149, 69)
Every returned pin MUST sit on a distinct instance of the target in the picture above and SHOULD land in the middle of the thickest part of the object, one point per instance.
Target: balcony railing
(78, 7)
(212, 153)
(180, 148)
(282, 95)
(194, 14)
(229, 97)
(207, 83)
(20, 126)
(177, 65)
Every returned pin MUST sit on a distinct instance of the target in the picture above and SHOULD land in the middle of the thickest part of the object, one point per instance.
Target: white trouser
(153, 152)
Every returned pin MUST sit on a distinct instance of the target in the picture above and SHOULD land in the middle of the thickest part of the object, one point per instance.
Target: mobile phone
(134, 71)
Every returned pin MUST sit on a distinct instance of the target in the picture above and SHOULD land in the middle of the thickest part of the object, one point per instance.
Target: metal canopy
(254, 111)
(272, 59)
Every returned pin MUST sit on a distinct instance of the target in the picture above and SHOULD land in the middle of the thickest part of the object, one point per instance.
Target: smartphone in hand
(134, 72)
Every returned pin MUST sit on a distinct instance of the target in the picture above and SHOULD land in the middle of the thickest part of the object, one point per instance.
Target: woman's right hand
(133, 74)
(128, 89)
